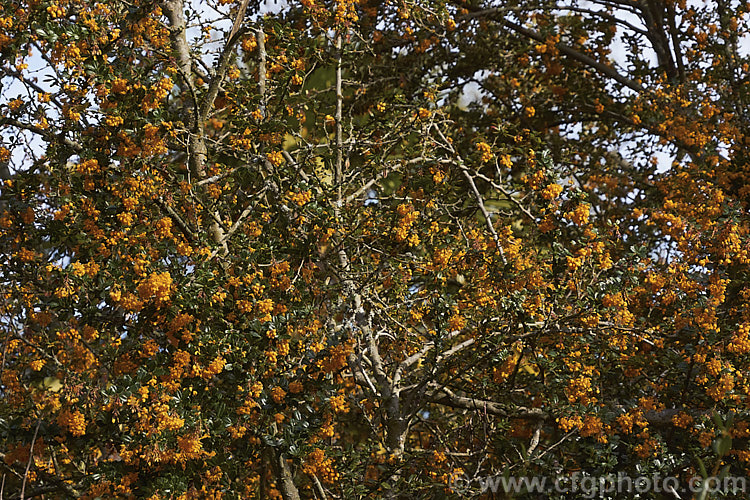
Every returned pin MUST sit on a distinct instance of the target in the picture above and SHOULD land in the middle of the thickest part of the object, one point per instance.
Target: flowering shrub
(369, 249)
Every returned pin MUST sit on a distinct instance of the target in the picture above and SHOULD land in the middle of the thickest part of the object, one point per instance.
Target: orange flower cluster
(157, 287)
(319, 464)
(485, 151)
(408, 216)
(73, 421)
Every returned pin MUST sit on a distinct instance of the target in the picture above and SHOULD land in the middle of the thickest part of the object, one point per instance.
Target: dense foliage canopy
(365, 248)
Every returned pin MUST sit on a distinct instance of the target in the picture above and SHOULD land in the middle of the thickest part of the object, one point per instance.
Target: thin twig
(319, 487)
(225, 239)
(31, 458)
(477, 195)
(607, 71)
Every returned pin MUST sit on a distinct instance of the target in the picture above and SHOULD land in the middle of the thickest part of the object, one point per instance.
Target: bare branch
(496, 13)
(245, 213)
(46, 134)
(31, 459)
(476, 193)
(224, 60)
(444, 396)
(189, 233)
